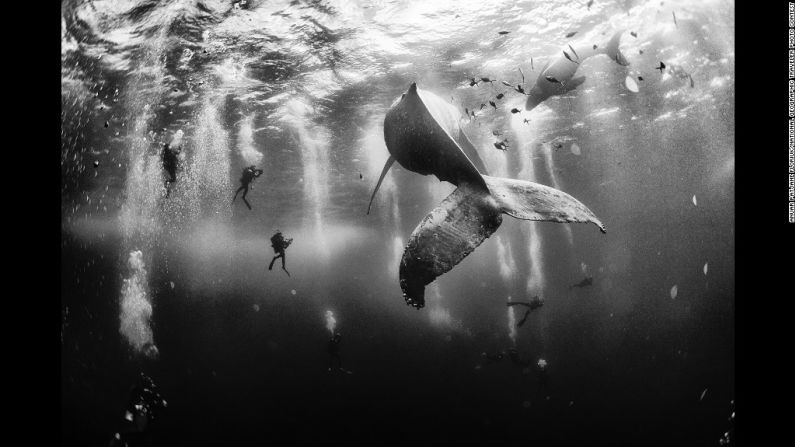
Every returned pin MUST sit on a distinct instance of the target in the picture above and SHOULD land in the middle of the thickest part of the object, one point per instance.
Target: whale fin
(387, 165)
(532, 201)
(574, 83)
(612, 50)
(471, 152)
(446, 236)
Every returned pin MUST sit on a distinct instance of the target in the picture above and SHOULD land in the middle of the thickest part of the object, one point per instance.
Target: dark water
(300, 89)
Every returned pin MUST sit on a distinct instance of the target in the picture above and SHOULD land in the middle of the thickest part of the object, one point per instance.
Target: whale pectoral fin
(387, 165)
(574, 83)
(471, 152)
(445, 237)
(532, 201)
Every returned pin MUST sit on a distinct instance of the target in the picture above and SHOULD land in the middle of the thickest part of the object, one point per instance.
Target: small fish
(106, 124)
(640, 78)
(493, 105)
(519, 89)
(558, 145)
(674, 19)
(466, 110)
(515, 110)
(674, 292)
(360, 176)
(641, 51)
(594, 47)
(551, 79)
(473, 82)
(526, 120)
(703, 393)
(661, 67)
(531, 64)
(706, 267)
(486, 80)
(507, 84)
(496, 133)
(500, 96)
(634, 34)
(692, 84)
(590, 2)
(503, 32)
(571, 34)
(695, 202)
(569, 57)
(482, 105)
(575, 53)
(472, 113)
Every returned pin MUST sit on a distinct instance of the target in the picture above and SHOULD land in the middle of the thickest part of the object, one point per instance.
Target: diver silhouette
(143, 408)
(279, 244)
(170, 165)
(584, 283)
(334, 353)
(249, 174)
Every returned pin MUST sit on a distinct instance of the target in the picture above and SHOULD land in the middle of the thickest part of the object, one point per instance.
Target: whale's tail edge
(532, 201)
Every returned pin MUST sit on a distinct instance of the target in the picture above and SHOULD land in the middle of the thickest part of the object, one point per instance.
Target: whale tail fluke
(532, 201)
(445, 237)
(612, 50)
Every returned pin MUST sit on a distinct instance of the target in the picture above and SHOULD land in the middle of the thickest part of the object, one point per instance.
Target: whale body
(423, 134)
(563, 70)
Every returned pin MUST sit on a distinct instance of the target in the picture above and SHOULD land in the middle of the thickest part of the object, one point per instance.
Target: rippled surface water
(300, 89)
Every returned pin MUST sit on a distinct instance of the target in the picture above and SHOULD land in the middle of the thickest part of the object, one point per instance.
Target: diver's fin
(532, 201)
(612, 50)
(387, 165)
(574, 83)
(446, 236)
(471, 152)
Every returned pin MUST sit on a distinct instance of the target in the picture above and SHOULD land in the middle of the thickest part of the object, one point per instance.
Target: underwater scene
(405, 222)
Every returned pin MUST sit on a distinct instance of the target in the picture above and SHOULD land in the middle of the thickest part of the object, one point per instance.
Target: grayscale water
(179, 286)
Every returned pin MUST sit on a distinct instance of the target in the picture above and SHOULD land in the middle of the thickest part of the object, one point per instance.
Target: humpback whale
(422, 133)
(562, 70)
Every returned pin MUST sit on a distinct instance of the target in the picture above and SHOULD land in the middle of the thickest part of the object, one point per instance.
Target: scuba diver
(585, 282)
(543, 378)
(279, 244)
(513, 354)
(143, 408)
(334, 353)
(249, 174)
(533, 304)
(170, 164)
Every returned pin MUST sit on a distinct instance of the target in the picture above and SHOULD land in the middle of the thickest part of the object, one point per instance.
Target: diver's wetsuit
(279, 244)
(334, 352)
(249, 174)
(170, 163)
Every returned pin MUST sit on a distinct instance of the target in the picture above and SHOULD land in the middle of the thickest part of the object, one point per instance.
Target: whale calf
(557, 76)
(423, 134)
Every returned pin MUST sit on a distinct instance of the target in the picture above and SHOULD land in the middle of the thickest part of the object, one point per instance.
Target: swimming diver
(249, 174)
(279, 244)
(143, 408)
(170, 164)
(585, 282)
(334, 353)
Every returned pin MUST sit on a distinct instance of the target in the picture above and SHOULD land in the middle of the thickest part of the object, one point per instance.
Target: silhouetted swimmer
(584, 283)
(334, 353)
(249, 174)
(513, 354)
(143, 408)
(170, 164)
(543, 378)
(279, 244)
